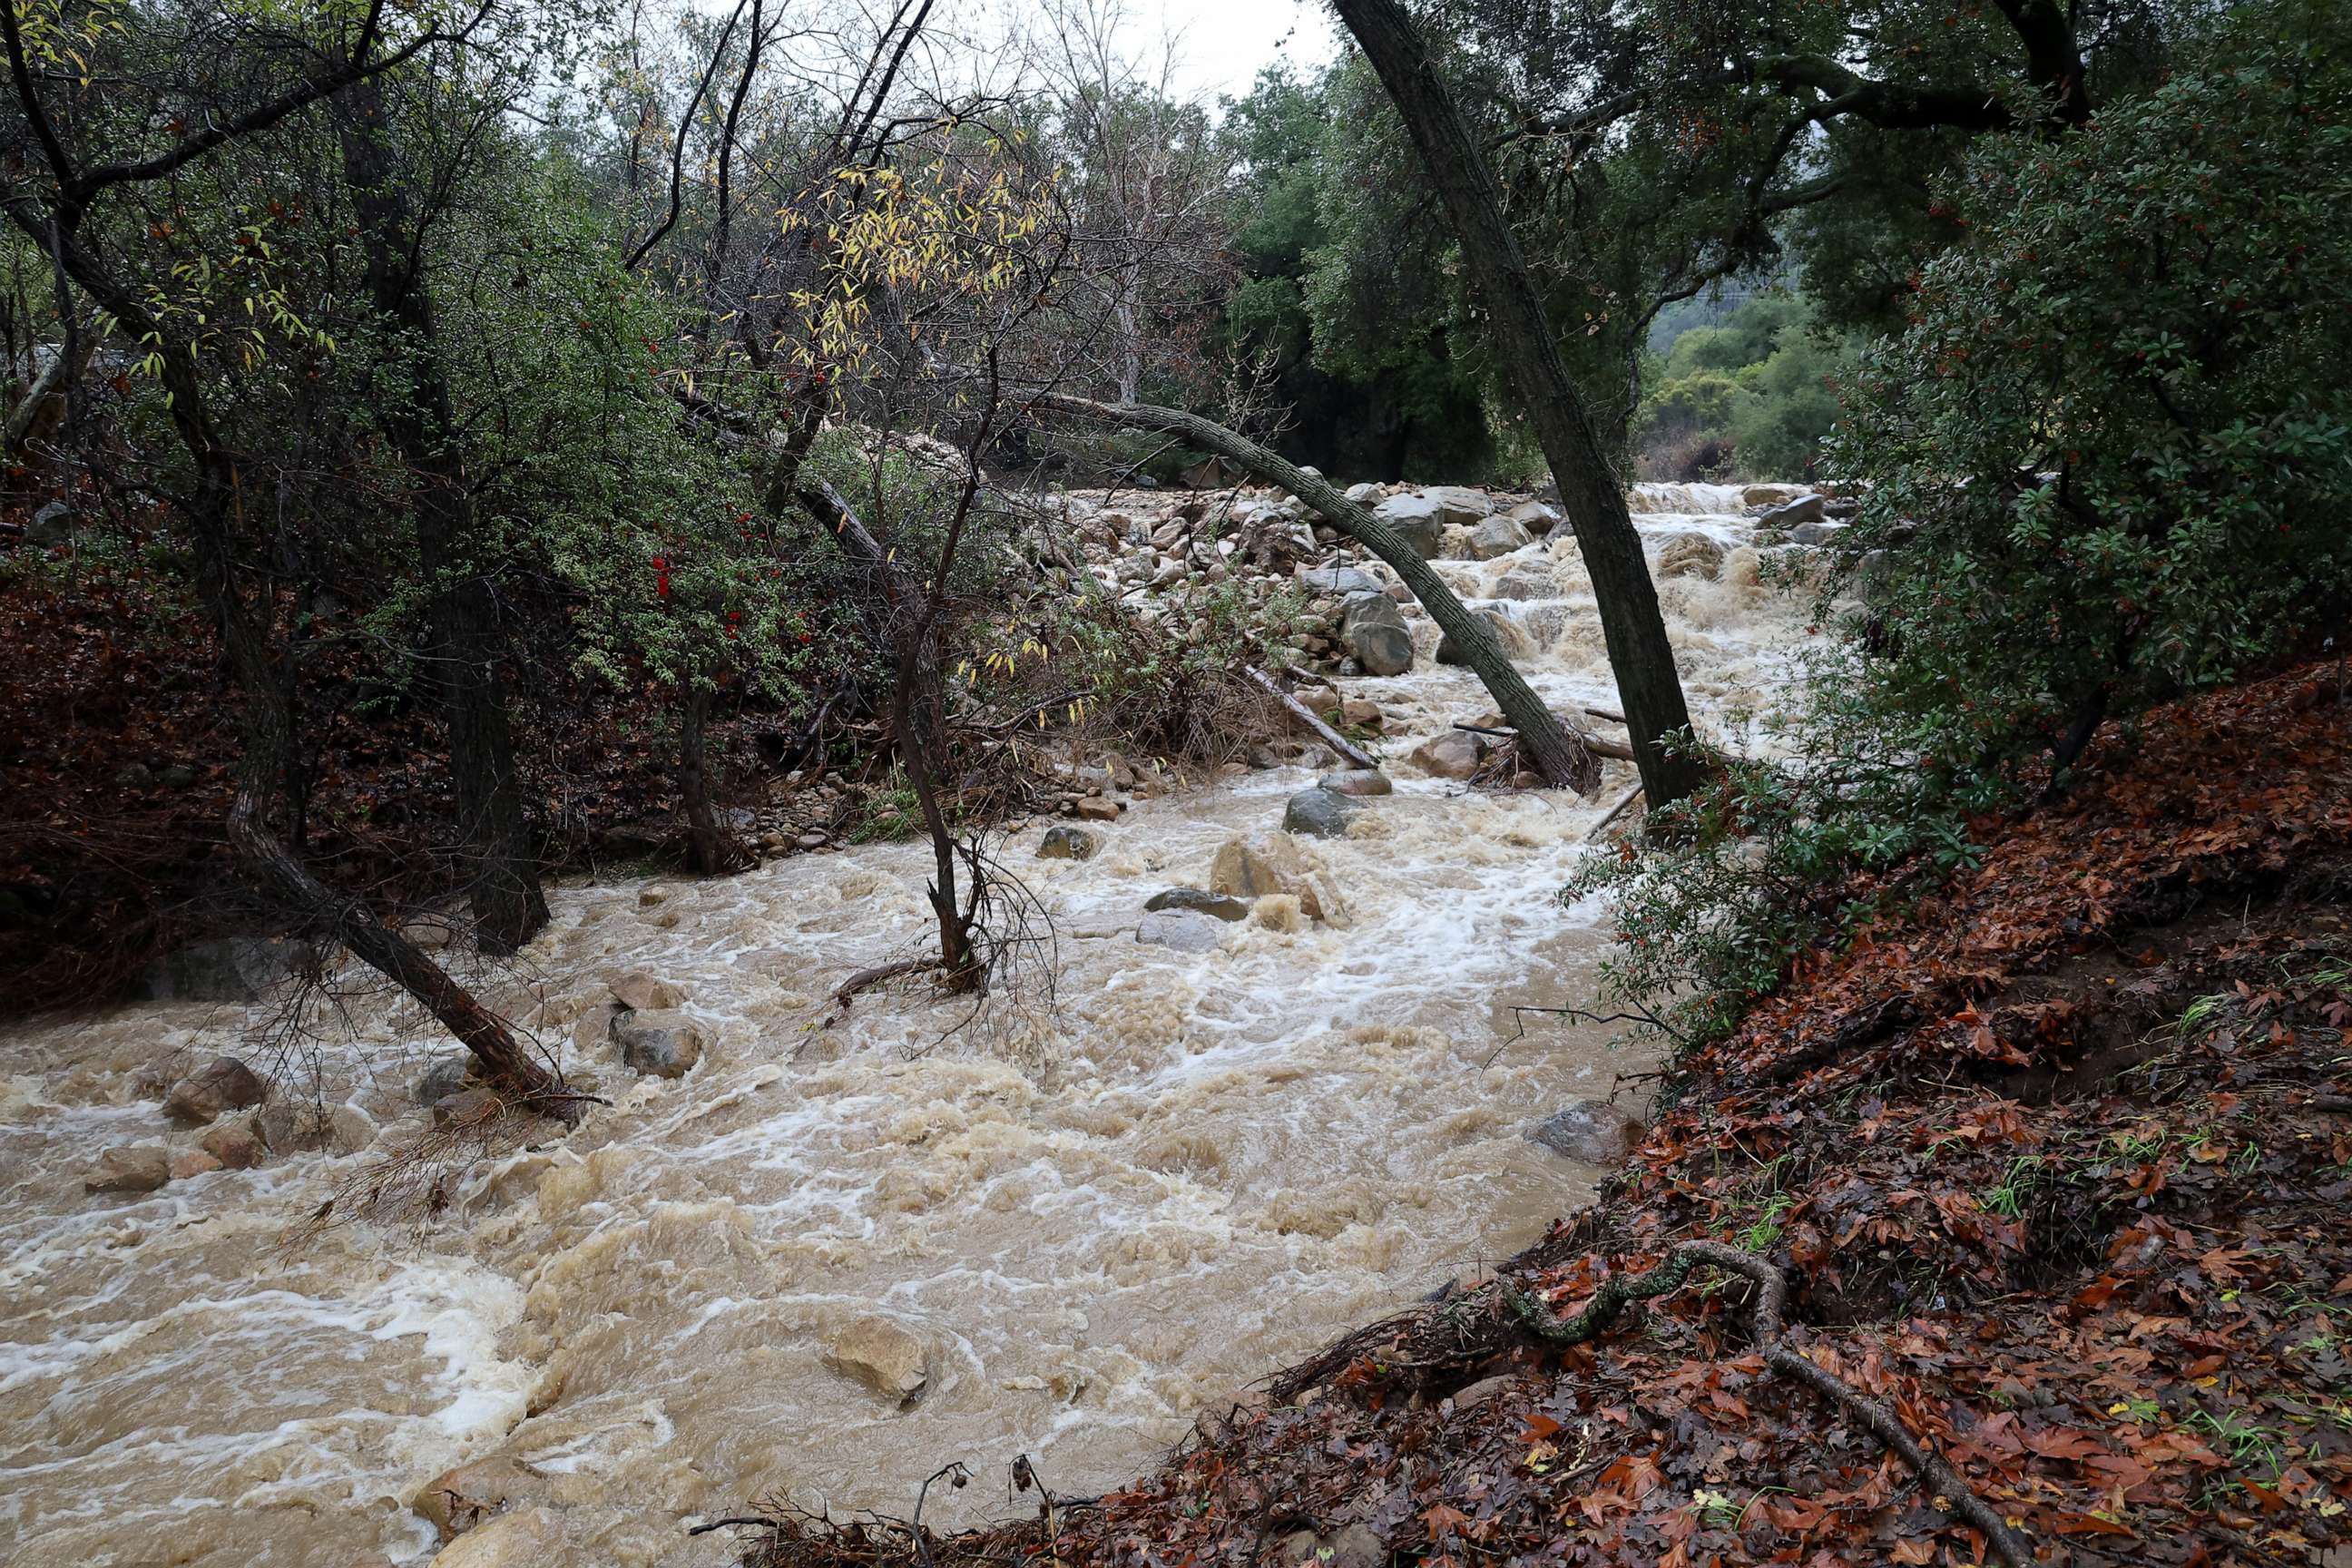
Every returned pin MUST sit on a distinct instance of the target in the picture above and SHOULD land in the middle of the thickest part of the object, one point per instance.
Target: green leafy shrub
(2110, 463)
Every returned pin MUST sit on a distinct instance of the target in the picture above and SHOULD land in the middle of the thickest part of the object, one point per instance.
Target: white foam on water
(1101, 1217)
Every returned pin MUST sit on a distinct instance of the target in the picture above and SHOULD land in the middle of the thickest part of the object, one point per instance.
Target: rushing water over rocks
(1097, 1222)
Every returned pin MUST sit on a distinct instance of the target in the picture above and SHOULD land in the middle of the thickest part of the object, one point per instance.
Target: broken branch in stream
(1593, 743)
(1354, 755)
(1620, 1290)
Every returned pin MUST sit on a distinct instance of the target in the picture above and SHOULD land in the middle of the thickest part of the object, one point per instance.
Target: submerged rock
(140, 1170)
(220, 1085)
(886, 1356)
(663, 1043)
(231, 969)
(1184, 931)
(1222, 906)
(1591, 1131)
(646, 993)
(1455, 754)
(235, 1144)
(1064, 842)
(445, 1077)
(1269, 863)
(1357, 781)
(1319, 813)
(456, 1500)
(1507, 635)
(527, 1538)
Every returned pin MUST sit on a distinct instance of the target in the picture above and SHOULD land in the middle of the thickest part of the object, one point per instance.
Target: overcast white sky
(1221, 44)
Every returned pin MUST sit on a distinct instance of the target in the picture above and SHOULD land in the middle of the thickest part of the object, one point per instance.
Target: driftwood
(1354, 755)
(1615, 812)
(1619, 1291)
(1593, 743)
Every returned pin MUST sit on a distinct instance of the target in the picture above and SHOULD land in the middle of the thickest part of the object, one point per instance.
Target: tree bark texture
(1649, 688)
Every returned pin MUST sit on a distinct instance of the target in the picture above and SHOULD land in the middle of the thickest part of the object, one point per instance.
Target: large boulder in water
(1374, 631)
(645, 993)
(1181, 930)
(456, 1500)
(1506, 632)
(1455, 754)
(1805, 508)
(220, 1085)
(140, 1170)
(664, 1043)
(1319, 813)
(1357, 781)
(1497, 536)
(527, 1538)
(886, 1356)
(1223, 906)
(1591, 1131)
(1459, 503)
(1416, 520)
(1269, 864)
(1066, 842)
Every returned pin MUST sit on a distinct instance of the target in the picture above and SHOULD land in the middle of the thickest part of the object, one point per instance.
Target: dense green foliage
(1751, 398)
(2110, 454)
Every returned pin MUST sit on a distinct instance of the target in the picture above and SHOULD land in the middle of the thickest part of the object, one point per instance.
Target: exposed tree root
(1620, 1290)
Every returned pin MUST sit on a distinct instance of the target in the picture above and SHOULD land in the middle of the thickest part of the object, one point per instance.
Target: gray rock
(1459, 503)
(288, 1128)
(1497, 536)
(663, 1043)
(235, 1144)
(1319, 813)
(1509, 637)
(1225, 906)
(228, 969)
(1373, 629)
(447, 1076)
(1591, 1131)
(1185, 931)
(1536, 517)
(1357, 781)
(221, 1085)
(179, 775)
(1804, 509)
(140, 1170)
(1363, 494)
(1416, 519)
(1064, 842)
(53, 524)
(1528, 581)
(1338, 580)
(1815, 533)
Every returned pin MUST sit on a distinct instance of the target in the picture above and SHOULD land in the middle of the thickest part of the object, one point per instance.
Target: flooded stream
(1198, 1168)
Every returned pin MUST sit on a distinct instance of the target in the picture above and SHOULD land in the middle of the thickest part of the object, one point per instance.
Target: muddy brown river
(1100, 1218)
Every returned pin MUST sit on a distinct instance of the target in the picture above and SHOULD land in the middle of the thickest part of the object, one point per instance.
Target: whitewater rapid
(1104, 1218)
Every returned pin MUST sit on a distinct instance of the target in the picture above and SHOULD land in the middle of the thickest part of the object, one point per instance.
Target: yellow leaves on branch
(927, 235)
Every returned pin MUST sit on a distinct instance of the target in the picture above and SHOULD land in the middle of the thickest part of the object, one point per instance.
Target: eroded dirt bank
(2055, 1166)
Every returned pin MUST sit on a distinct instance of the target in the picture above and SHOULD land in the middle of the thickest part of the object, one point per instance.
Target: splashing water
(1102, 1223)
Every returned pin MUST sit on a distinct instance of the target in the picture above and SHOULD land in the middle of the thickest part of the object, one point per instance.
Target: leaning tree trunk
(254, 670)
(461, 608)
(1520, 336)
(1560, 752)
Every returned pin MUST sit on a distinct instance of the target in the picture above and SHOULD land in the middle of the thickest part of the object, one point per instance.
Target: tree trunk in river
(461, 608)
(1520, 335)
(1550, 745)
